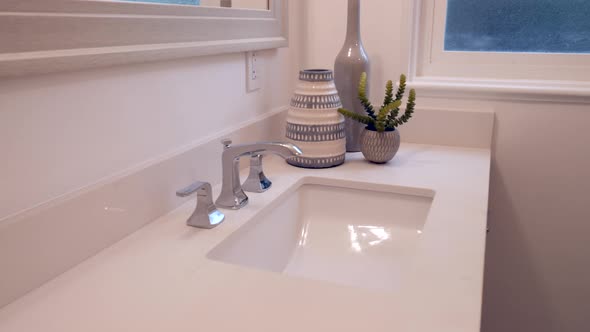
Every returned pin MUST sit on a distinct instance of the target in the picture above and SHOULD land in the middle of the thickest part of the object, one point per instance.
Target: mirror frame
(47, 36)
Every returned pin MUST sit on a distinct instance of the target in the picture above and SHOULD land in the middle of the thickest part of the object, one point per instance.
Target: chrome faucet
(232, 195)
(257, 182)
(206, 214)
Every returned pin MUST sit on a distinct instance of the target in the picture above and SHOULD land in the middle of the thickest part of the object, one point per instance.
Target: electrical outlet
(253, 78)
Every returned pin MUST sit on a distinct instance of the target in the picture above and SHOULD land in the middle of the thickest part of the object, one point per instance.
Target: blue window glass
(532, 26)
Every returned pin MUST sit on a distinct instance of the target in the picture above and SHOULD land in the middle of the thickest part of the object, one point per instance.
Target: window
(501, 40)
(526, 26)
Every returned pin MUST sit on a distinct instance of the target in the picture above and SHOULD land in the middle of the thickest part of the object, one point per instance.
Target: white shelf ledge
(515, 90)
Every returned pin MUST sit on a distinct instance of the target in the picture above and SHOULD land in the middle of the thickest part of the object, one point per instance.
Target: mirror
(239, 4)
(65, 35)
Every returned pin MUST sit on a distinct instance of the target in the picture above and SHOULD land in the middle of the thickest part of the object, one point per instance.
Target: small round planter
(379, 148)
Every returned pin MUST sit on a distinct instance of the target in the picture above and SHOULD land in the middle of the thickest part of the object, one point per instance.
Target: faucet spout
(232, 195)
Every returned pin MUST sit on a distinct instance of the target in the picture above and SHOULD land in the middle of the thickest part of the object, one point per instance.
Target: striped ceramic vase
(313, 121)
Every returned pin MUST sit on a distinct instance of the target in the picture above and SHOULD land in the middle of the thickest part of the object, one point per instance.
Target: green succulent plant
(388, 117)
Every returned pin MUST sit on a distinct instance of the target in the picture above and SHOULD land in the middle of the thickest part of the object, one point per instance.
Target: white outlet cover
(253, 78)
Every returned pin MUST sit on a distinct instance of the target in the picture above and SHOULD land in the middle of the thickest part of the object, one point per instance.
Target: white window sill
(515, 90)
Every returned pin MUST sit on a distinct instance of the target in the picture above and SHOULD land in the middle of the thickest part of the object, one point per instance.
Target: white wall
(324, 37)
(537, 266)
(63, 132)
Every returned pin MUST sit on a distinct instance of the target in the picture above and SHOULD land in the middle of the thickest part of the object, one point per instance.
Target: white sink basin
(334, 231)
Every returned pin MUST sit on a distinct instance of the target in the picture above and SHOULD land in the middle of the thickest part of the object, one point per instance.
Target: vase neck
(353, 31)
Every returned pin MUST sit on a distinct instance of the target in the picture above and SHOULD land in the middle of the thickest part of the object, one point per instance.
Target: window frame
(530, 76)
(47, 36)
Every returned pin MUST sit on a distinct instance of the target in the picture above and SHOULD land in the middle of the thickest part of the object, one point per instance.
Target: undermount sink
(334, 231)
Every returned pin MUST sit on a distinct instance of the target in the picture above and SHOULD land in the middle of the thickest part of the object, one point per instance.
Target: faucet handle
(206, 214)
(256, 182)
(226, 143)
(193, 188)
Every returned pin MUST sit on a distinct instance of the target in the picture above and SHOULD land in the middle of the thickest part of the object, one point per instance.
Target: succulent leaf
(388, 93)
(410, 106)
(357, 117)
(402, 87)
(363, 96)
(387, 117)
(384, 112)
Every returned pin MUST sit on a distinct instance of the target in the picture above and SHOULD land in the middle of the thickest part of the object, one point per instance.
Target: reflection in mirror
(242, 4)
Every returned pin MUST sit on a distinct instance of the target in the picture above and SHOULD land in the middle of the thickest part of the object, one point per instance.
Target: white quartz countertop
(159, 278)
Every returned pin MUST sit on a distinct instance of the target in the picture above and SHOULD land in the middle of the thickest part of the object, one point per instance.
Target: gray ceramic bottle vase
(350, 64)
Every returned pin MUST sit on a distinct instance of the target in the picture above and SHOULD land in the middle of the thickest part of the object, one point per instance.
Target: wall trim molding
(46, 62)
(509, 90)
(40, 37)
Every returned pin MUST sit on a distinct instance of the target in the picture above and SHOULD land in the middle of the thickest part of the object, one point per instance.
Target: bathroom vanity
(361, 247)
